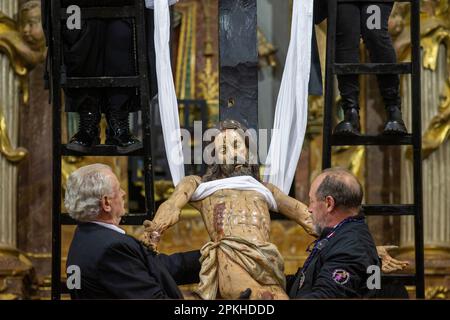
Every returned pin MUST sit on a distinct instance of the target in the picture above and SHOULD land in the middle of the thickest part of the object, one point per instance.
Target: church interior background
(26, 134)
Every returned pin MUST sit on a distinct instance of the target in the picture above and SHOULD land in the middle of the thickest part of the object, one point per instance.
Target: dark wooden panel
(238, 61)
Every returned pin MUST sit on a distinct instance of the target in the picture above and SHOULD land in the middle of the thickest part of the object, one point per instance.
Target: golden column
(435, 41)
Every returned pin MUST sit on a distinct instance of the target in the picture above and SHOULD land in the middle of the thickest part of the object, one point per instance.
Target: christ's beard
(233, 170)
(221, 171)
(227, 169)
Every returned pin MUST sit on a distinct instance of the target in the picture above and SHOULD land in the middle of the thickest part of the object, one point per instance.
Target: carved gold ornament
(23, 42)
(13, 264)
(6, 149)
(208, 78)
(266, 51)
(435, 32)
(437, 293)
(209, 82)
(187, 50)
(438, 130)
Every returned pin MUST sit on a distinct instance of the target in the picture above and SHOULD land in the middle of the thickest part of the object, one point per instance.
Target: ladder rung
(372, 68)
(129, 219)
(101, 150)
(338, 140)
(101, 82)
(405, 279)
(388, 210)
(103, 12)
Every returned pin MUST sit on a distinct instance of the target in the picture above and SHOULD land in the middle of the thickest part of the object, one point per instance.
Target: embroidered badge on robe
(340, 276)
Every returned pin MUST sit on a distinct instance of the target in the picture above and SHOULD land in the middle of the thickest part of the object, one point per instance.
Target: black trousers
(100, 48)
(352, 24)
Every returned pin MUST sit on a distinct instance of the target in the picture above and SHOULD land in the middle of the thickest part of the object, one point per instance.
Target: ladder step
(103, 12)
(405, 279)
(388, 210)
(372, 68)
(101, 150)
(338, 140)
(129, 219)
(101, 82)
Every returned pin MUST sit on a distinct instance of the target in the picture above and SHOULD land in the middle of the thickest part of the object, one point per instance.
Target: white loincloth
(263, 263)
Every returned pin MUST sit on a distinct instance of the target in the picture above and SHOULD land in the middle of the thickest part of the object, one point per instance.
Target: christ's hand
(388, 263)
(167, 215)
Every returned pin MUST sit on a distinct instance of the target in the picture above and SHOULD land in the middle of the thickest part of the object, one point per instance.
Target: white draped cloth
(291, 113)
(150, 4)
(245, 183)
(291, 108)
(167, 99)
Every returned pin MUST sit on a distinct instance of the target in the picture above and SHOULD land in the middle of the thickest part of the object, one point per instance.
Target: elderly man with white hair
(114, 265)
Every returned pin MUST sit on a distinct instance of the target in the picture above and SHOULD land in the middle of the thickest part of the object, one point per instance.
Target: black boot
(118, 132)
(88, 134)
(394, 124)
(350, 126)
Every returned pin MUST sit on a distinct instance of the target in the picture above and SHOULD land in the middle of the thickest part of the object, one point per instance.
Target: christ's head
(232, 153)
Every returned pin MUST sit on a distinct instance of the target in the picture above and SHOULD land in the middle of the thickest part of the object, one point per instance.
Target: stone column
(16, 274)
(436, 181)
(9, 104)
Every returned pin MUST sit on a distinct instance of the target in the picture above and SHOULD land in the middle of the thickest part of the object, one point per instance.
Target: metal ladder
(133, 9)
(414, 139)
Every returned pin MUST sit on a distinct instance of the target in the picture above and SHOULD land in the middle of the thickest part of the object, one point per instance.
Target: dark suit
(100, 48)
(117, 266)
(338, 269)
(315, 79)
(351, 25)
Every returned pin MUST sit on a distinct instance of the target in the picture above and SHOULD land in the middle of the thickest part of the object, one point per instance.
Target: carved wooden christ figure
(235, 209)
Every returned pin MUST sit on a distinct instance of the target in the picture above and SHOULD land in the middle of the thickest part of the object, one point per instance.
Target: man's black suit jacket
(117, 266)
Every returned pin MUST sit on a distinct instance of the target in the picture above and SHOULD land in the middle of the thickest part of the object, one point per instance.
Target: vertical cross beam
(238, 92)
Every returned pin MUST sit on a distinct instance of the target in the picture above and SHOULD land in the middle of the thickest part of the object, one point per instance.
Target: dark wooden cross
(238, 64)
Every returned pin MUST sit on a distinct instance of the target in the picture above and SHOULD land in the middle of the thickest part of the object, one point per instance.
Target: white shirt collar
(109, 226)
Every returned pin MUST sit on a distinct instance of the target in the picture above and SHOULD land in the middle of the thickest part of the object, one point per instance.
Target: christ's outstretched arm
(293, 209)
(169, 211)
